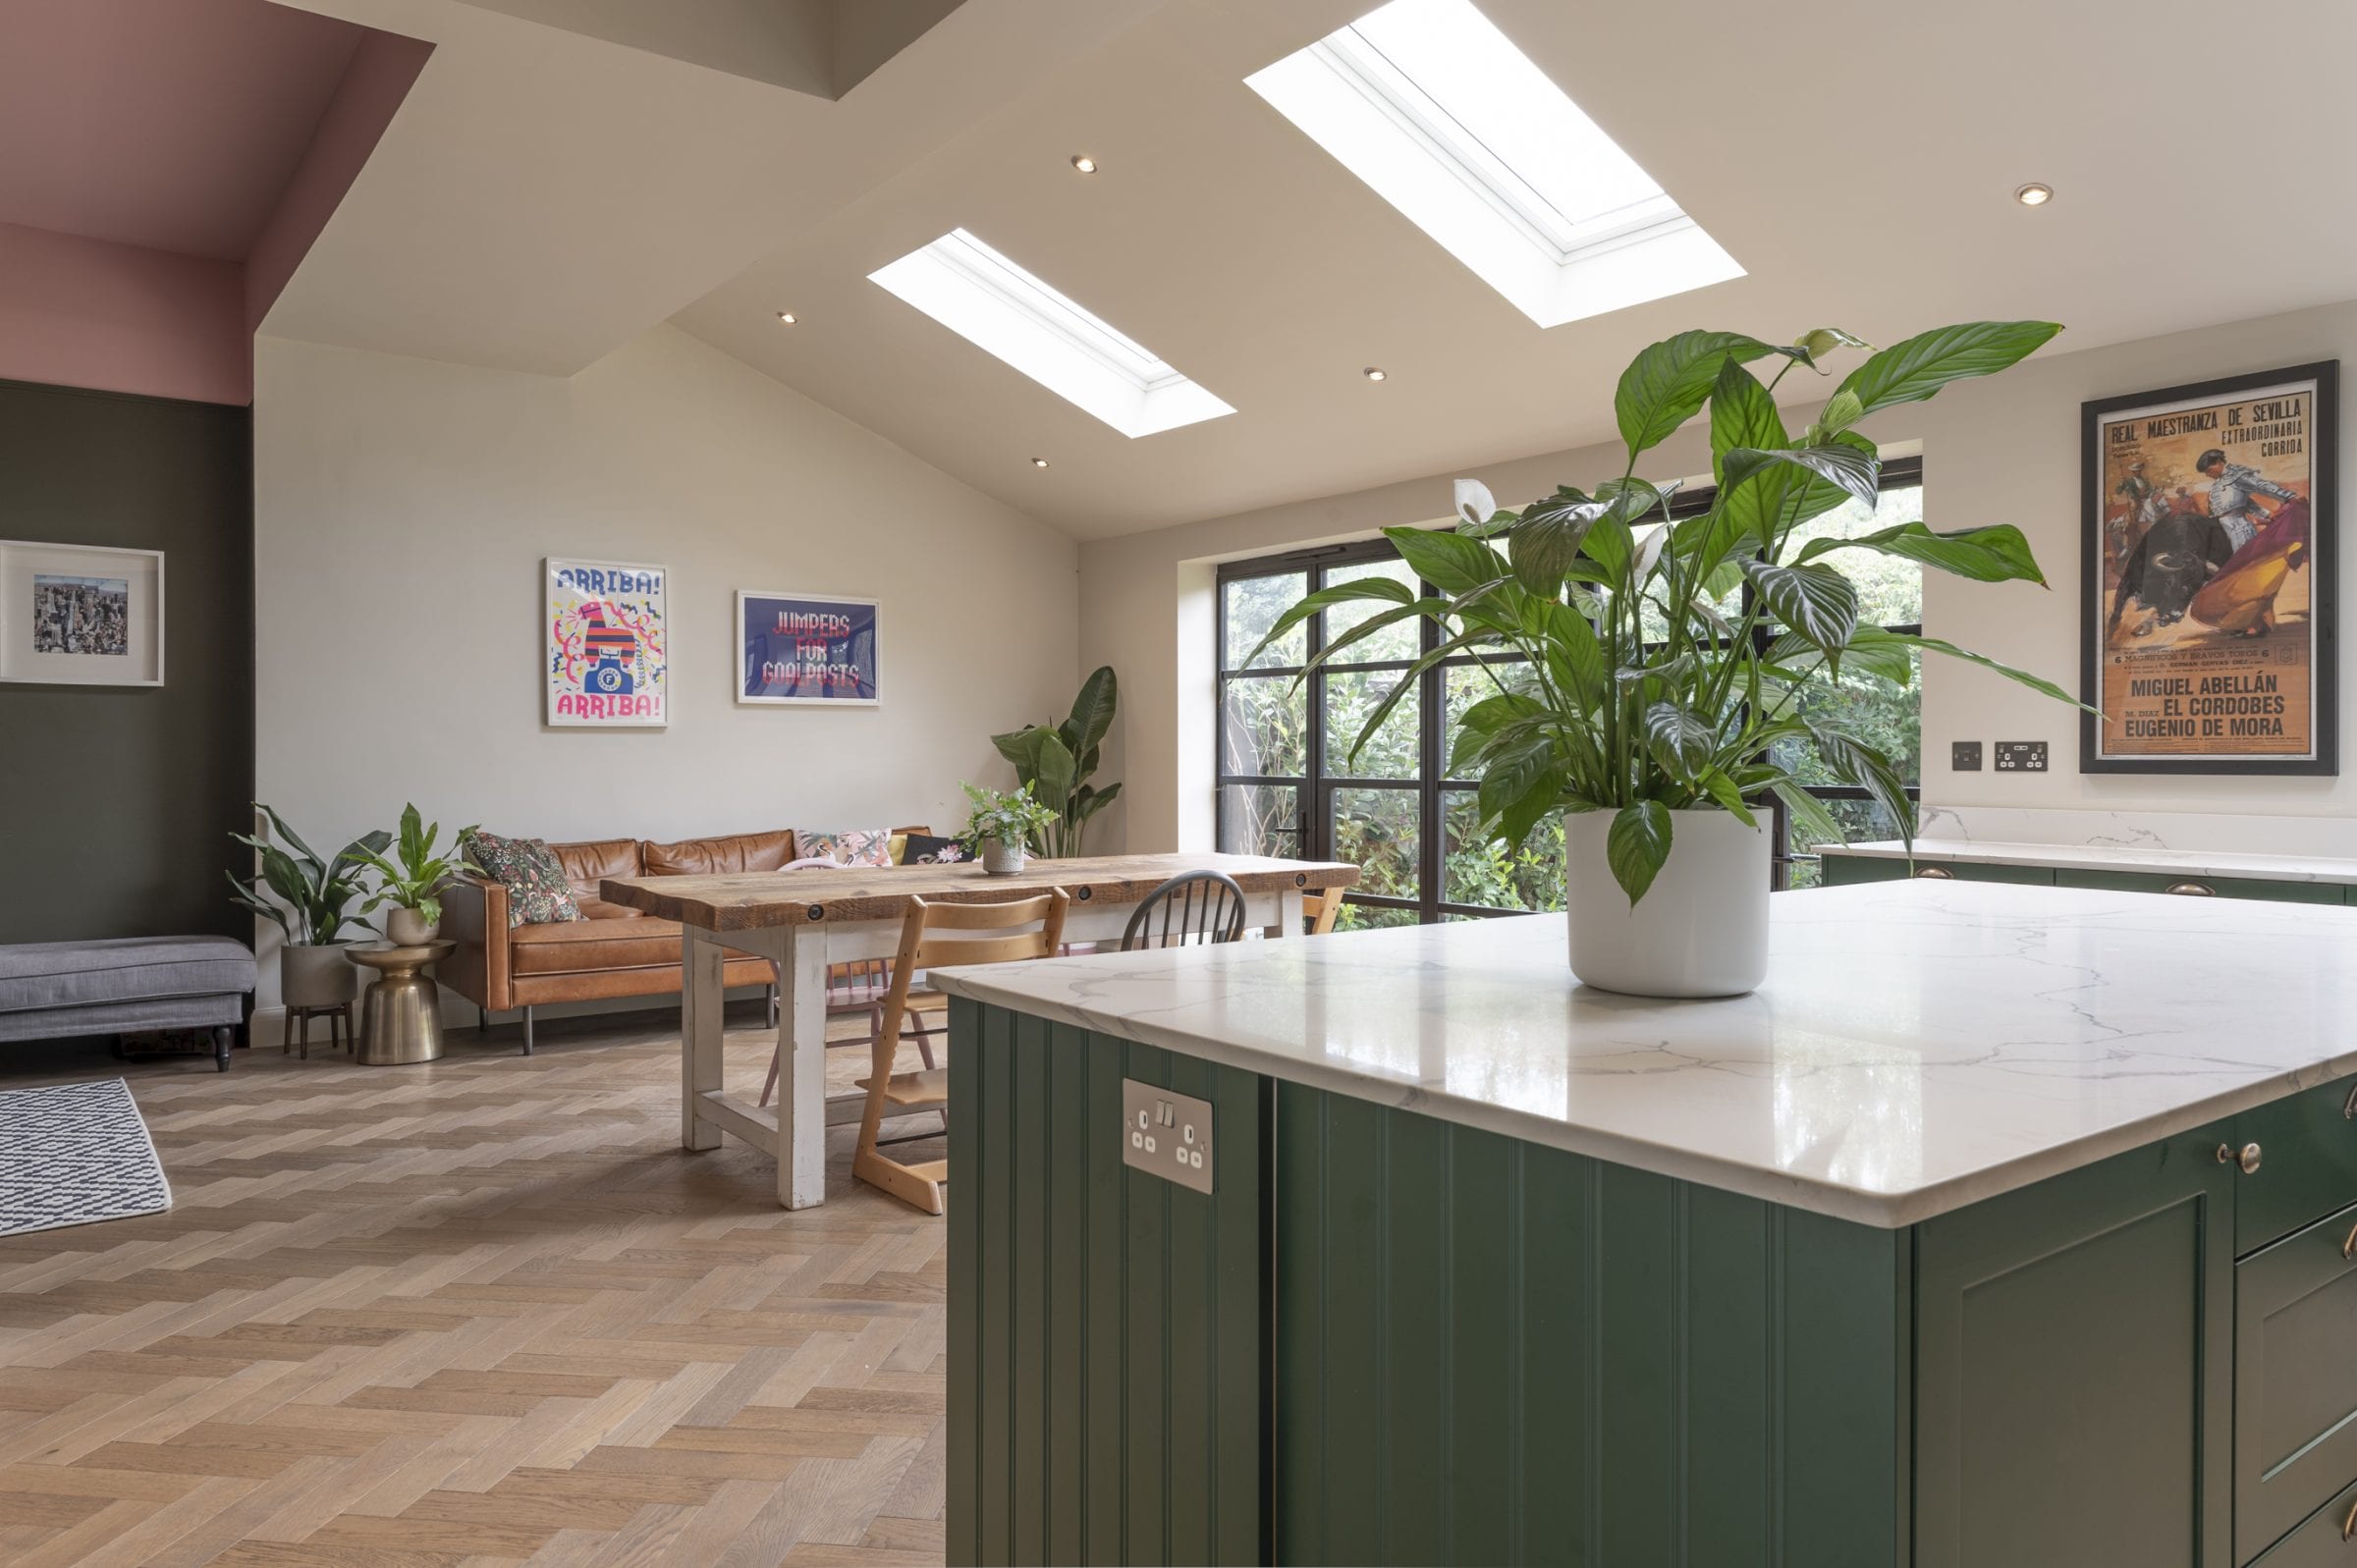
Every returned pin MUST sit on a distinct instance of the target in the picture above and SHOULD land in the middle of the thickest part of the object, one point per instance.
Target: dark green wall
(115, 802)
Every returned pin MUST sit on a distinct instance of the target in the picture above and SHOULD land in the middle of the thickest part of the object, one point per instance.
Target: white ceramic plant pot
(407, 927)
(1701, 930)
(319, 976)
(1002, 860)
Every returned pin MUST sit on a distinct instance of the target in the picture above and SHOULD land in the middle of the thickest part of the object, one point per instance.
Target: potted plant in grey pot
(412, 884)
(312, 904)
(1001, 828)
(1646, 672)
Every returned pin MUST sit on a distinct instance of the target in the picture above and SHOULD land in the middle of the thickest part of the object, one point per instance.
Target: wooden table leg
(802, 1071)
(700, 1023)
(1288, 912)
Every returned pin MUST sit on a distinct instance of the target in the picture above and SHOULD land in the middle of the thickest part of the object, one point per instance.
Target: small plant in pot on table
(413, 885)
(313, 906)
(1646, 670)
(1000, 828)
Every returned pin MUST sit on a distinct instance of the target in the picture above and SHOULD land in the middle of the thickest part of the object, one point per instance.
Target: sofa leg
(482, 1020)
(223, 1034)
(528, 1031)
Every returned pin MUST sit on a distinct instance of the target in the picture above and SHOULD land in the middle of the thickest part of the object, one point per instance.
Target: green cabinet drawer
(1970, 871)
(2307, 1164)
(2323, 1541)
(2197, 886)
(2295, 1383)
(1842, 871)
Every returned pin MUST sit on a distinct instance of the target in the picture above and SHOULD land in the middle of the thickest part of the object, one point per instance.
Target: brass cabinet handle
(1936, 874)
(2348, 1526)
(2247, 1159)
(2348, 1248)
(2197, 890)
(2348, 1107)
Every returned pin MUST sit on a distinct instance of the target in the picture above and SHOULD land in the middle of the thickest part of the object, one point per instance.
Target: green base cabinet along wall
(1387, 1338)
(1841, 871)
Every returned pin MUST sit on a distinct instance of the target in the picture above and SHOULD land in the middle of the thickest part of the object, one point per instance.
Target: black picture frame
(2323, 568)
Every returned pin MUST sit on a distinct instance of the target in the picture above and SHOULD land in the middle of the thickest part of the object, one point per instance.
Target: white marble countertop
(1919, 1045)
(2110, 857)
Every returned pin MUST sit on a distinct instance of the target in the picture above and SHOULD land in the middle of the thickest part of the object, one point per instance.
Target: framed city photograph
(81, 615)
(805, 649)
(2209, 553)
(607, 663)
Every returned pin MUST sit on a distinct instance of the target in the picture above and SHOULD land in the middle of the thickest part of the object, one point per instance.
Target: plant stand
(339, 1028)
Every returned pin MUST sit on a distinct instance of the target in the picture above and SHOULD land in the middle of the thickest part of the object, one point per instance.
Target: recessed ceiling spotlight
(1373, 373)
(2034, 194)
(784, 318)
(1039, 462)
(1084, 163)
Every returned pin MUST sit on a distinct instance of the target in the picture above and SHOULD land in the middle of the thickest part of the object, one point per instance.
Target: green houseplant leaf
(1916, 369)
(1638, 846)
(1664, 386)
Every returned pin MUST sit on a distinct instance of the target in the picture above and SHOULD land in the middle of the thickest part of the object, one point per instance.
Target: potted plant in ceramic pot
(313, 902)
(412, 884)
(1645, 670)
(1001, 828)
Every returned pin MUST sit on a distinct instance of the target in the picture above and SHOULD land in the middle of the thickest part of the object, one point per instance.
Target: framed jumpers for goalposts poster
(805, 648)
(2207, 629)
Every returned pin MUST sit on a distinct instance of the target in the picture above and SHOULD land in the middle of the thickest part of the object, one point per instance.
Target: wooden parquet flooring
(481, 1312)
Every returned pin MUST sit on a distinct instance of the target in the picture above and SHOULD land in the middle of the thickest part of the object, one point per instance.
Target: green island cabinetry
(1849, 870)
(1387, 1337)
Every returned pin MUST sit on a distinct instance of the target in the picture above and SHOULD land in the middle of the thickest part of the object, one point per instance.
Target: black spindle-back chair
(1191, 908)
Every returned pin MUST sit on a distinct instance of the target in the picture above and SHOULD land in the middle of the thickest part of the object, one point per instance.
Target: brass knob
(2195, 889)
(2248, 1159)
(1936, 874)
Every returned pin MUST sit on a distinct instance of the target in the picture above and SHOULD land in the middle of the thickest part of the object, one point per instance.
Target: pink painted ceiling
(172, 124)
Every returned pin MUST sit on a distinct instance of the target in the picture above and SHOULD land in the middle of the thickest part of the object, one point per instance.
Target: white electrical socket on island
(1167, 1134)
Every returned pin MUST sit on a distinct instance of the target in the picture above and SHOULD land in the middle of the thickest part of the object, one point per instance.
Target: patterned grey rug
(75, 1153)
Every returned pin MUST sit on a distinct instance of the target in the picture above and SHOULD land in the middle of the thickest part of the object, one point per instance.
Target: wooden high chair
(897, 1094)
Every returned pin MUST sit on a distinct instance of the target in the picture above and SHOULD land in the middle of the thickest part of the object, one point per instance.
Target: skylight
(1437, 110)
(995, 304)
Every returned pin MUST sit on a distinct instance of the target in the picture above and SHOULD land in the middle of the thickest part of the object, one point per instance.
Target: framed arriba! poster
(607, 661)
(2207, 632)
(805, 648)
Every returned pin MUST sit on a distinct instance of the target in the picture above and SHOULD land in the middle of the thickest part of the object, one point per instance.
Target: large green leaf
(1916, 369)
(2037, 683)
(1052, 784)
(1092, 710)
(1812, 600)
(1666, 385)
(1638, 846)
(1857, 472)
(1545, 543)
(1385, 589)
(1995, 554)
(1854, 762)
(1511, 776)
(1870, 650)
(286, 837)
(1451, 562)
(1812, 823)
(1682, 741)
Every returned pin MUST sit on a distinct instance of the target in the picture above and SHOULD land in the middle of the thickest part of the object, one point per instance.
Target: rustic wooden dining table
(807, 922)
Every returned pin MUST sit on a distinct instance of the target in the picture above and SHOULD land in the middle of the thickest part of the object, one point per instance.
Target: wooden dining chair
(925, 945)
(1192, 908)
(1322, 910)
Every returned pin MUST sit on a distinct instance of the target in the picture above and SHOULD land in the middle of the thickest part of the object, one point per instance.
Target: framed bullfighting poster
(2209, 552)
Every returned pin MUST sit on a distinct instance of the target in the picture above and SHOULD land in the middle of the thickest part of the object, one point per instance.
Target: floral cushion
(537, 892)
(853, 847)
(923, 849)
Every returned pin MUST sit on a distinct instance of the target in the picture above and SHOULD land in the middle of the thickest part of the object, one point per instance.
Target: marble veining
(1919, 1045)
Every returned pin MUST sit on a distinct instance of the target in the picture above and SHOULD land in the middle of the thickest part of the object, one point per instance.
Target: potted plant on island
(412, 884)
(1001, 828)
(313, 907)
(1644, 668)
(1056, 762)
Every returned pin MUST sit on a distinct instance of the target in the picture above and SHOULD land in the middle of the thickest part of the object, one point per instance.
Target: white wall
(1999, 451)
(401, 511)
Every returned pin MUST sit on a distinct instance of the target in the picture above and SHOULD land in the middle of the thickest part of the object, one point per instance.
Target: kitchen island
(2003, 1225)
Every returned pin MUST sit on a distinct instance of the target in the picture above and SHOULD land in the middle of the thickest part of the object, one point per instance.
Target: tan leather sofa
(617, 951)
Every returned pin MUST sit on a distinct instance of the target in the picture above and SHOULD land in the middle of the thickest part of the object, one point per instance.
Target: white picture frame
(846, 678)
(605, 644)
(81, 615)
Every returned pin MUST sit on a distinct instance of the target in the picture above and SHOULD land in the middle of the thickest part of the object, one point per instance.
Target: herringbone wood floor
(480, 1312)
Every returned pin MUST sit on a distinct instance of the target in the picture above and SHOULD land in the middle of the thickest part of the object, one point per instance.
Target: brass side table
(400, 1012)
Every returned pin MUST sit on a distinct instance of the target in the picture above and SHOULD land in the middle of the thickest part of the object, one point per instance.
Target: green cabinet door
(2074, 1368)
(2262, 887)
(2295, 1383)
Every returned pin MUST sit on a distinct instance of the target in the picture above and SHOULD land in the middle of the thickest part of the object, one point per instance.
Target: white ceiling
(545, 195)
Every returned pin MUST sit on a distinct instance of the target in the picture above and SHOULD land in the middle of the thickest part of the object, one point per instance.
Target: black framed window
(1287, 784)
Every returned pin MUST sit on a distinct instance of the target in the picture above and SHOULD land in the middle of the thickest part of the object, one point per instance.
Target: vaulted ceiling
(548, 192)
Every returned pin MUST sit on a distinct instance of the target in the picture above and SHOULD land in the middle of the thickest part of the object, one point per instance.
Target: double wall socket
(1166, 1134)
